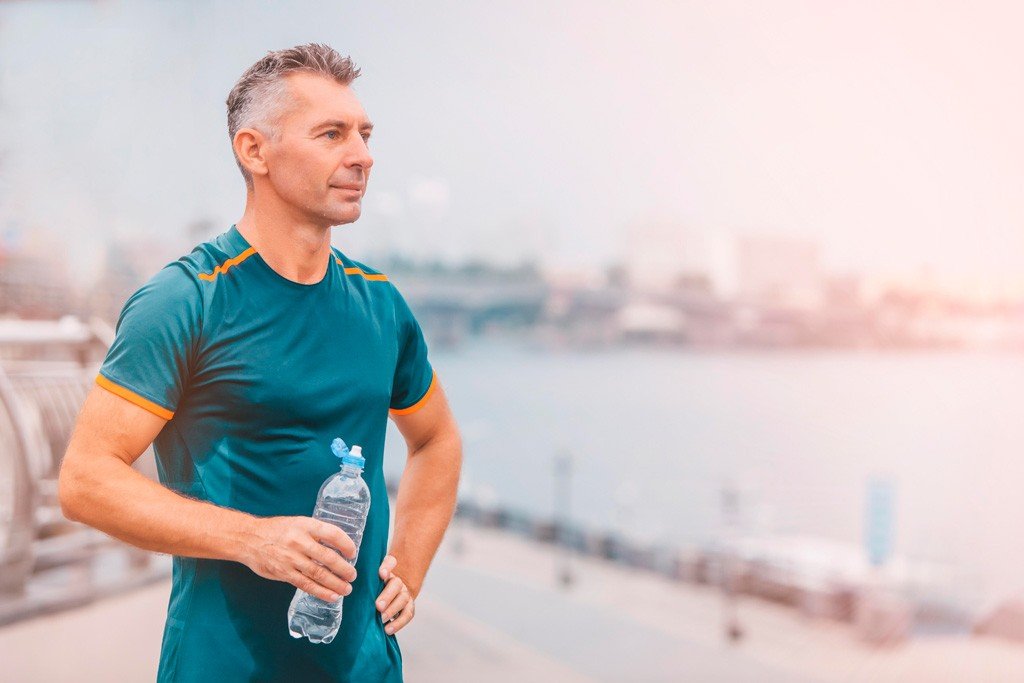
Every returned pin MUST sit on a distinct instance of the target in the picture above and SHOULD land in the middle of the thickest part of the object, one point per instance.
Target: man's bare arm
(428, 489)
(99, 487)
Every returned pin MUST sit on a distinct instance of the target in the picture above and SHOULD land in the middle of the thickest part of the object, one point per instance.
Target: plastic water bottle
(343, 501)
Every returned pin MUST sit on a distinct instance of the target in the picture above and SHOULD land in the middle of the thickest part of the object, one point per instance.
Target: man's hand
(300, 550)
(395, 603)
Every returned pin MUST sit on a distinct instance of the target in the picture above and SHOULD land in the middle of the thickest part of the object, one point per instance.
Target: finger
(390, 592)
(332, 560)
(403, 618)
(398, 604)
(334, 537)
(323, 577)
(386, 566)
(308, 585)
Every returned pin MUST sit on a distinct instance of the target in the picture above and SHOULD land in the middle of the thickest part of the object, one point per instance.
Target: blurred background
(727, 297)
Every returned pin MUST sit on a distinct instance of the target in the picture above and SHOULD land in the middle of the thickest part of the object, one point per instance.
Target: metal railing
(48, 562)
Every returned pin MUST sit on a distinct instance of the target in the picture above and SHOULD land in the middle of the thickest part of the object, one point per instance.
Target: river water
(655, 434)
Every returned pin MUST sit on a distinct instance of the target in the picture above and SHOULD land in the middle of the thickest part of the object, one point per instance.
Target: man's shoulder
(358, 269)
(350, 264)
(182, 281)
(216, 255)
(202, 264)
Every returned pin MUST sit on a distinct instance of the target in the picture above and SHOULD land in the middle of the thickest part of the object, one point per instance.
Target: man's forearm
(116, 499)
(426, 501)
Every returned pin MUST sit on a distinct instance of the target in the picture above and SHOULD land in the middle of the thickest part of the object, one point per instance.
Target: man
(240, 362)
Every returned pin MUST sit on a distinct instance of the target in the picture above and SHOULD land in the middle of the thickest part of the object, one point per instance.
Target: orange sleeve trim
(157, 410)
(420, 403)
(223, 268)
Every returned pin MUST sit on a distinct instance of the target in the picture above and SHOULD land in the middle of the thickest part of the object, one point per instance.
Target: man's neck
(298, 251)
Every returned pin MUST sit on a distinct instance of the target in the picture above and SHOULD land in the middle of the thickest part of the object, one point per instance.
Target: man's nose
(360, 155)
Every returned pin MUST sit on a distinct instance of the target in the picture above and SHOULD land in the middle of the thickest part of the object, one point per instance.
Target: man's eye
(366, 137)
(331, 134)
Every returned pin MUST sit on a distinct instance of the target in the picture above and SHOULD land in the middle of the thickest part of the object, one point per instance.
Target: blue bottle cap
(353, 457)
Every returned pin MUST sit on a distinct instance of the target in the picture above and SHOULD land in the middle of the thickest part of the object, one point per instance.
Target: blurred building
(33, 284)
(776, 270)
(475, 298)
(663, 256)
(127, 264)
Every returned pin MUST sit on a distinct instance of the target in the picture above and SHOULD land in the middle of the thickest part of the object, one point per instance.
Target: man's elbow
(68, 489)
(451, 440)
(453, 446)
(456, 441)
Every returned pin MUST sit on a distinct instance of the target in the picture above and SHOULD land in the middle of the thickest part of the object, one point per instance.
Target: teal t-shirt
(256, 375)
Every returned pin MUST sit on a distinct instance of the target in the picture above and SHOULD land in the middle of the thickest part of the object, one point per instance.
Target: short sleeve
(150, 360)
(414, 379)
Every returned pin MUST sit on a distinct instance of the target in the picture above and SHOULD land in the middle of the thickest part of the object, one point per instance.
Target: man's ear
(249, 145)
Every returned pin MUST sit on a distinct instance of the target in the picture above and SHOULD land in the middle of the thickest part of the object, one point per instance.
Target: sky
(571, 134)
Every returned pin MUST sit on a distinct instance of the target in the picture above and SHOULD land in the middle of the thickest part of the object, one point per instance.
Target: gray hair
(260, 96)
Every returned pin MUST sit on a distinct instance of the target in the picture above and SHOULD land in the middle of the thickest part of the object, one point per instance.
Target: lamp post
(730, 502)
(562, 488)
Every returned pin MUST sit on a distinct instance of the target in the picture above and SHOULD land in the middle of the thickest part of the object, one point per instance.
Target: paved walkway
(616, 625)
(492, 614)
(73, 646)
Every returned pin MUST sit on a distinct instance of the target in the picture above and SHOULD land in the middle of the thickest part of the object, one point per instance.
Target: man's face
(319, 163)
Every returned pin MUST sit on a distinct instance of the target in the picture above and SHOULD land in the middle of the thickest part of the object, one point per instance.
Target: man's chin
(345, 214)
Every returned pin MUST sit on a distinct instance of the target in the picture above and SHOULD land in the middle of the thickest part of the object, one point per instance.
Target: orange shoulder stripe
(223, 268)
(140, 401)
(420, 403)
(380, 277)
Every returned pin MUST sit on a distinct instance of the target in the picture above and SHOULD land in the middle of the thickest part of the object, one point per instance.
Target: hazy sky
(548, 131)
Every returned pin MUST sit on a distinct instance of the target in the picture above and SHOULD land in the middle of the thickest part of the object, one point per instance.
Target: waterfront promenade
(492, 613)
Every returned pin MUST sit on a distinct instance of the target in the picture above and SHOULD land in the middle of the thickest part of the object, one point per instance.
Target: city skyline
(740, 267)
(889, 140)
